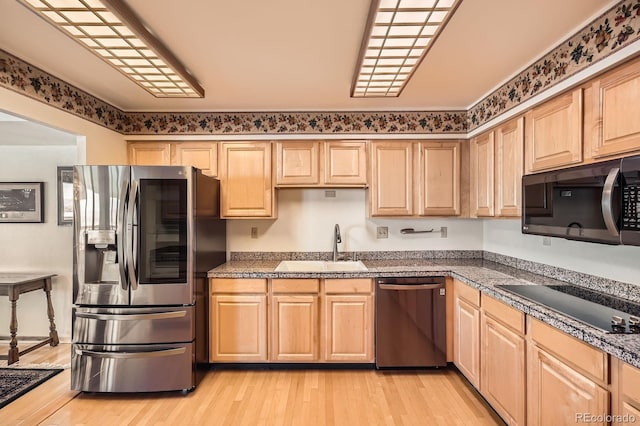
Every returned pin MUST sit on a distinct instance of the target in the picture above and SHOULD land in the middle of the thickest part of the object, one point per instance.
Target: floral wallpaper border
(616, 28)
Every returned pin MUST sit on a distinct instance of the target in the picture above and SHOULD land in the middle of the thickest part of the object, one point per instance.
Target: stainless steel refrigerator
(144, 239)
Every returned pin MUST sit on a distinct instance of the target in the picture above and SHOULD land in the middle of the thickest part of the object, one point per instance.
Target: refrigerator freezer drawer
(139, 368)
(133, 325)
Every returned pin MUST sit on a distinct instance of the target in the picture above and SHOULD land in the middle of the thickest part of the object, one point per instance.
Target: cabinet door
(553, 133)
(294, 328)
(466, 340)
(391, 190)
(297, 163)
(439, 179)
(557, 394)
(509, 147)
(238, 331)
(482, 180)
(245, 172)
(348, 328)
(345, 163)
(503, 377)
(616, 111)
(202, 155)
(149, 153)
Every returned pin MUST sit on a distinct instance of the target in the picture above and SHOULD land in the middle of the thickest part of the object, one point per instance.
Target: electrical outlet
(330, 193)
(382, 232)
(254, 232)
(443, 232)
(546, 241)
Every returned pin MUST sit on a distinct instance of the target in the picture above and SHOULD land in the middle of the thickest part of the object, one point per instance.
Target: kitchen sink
(320, 266)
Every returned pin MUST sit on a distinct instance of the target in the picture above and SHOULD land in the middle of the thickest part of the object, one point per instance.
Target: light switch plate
(254, 232)
(382, 232)
(546, 241)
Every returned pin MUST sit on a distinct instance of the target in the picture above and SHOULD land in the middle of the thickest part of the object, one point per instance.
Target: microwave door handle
(607, 202)
(131, 231)
(121, 232)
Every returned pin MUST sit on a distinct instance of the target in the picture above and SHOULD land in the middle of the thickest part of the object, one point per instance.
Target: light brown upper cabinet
(245, 174)
(496, 170)
(439, 184)
(391, 184)
(149, 153)
(615, 128)
(318, 163)
(553, 133)
(482, 168)
(509, 146)
(345, 163)
(410, 178)
(200, 154)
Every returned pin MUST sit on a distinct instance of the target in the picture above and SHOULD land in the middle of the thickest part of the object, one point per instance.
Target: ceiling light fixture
(111, 30)
(399, 34)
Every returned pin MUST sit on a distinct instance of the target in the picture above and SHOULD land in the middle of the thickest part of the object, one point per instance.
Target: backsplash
(611, 287)
(359, 255)
(614, 29)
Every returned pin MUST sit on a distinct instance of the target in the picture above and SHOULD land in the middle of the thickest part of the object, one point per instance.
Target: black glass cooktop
(590, 307)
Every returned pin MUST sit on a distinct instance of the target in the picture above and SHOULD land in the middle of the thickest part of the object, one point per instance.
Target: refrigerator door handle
(134, 317)
(121, 231)
(130, 355)
(131, 208)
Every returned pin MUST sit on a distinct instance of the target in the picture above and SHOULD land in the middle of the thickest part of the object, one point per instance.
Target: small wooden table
(13, 285)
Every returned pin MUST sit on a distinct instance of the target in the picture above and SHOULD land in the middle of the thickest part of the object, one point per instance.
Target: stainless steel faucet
(336, 239)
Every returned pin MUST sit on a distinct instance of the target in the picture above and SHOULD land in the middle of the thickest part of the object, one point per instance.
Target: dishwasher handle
(410, 287)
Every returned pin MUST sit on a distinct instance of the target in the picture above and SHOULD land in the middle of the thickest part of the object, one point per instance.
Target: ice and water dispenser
(101, 258)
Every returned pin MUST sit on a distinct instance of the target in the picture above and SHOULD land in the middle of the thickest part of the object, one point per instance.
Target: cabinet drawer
(468, 293)
(238, 285)
(630, 377)
(509, 316)
(590, 360)
(350, 286)
(295, 285)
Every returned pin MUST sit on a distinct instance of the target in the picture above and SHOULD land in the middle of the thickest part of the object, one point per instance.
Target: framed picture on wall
(65, 195)
(21, 202)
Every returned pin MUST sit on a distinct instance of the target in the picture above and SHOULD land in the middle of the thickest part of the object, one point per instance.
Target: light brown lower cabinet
(348, 320)
(503, 360)
(466, 331)
(566, 379)
(625, 397)
(295, 320)
(238, 320)
(291, 320)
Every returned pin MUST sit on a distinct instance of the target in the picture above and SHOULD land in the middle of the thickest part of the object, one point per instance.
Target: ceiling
(300, 55)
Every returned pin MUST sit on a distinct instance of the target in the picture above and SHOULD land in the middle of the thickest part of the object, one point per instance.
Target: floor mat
(15, 382)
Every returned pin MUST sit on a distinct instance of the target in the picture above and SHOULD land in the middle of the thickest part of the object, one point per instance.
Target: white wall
(100, 145)
(614, 262)
(37, 247)
(306, 219)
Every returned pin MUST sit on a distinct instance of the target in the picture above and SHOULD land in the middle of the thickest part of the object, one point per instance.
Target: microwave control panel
(631, 207)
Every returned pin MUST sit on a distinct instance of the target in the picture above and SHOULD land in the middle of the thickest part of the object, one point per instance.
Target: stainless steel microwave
(597, 202)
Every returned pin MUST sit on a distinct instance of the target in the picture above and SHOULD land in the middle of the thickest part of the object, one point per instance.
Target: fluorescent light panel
(111, 30)
(399, 34)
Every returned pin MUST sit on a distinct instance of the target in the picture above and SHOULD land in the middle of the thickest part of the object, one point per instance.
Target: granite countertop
(478, 273)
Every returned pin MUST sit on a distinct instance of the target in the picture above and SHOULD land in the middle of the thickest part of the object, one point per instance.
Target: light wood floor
(260, 397)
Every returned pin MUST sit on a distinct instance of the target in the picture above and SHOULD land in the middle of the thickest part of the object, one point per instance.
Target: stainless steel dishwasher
(411, 329)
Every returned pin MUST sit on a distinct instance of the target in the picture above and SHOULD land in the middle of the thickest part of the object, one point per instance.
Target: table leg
(13, 330)
(53, 334)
